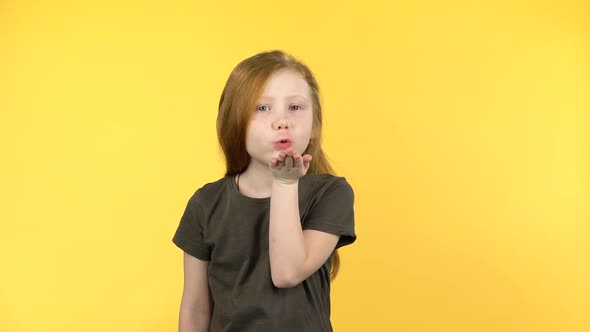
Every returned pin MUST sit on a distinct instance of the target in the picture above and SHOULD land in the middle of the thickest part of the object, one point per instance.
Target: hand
(289, 166)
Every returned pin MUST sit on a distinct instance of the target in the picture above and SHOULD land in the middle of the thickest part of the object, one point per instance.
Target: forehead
(285, 84)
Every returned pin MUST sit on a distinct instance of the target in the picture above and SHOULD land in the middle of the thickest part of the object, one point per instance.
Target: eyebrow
(288, 97)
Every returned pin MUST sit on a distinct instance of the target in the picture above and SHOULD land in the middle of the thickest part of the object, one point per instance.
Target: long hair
(237, 105)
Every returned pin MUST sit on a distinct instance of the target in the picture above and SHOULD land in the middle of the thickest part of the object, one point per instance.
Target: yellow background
(462, 126)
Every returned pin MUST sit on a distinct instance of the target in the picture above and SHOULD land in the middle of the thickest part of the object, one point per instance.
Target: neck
(256, 181)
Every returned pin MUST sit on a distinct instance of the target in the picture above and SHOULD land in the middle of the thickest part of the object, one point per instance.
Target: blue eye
(261, 108)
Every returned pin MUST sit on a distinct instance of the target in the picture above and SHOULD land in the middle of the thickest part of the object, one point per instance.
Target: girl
(260, 243)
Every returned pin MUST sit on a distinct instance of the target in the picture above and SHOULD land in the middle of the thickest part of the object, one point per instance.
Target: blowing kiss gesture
(289, 166)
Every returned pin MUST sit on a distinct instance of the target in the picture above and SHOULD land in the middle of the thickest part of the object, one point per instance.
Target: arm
(196, 304)
(294, 254)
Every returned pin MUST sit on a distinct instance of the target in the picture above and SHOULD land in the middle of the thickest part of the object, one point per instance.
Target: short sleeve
(334, 212)
(189, 235)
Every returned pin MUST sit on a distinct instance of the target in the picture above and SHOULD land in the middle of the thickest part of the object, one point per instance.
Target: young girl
(260, 243)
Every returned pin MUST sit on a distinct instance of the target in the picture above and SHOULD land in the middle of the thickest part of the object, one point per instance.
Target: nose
(281, 123)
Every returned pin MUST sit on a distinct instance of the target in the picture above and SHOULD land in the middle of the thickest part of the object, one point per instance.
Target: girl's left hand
(289, 166)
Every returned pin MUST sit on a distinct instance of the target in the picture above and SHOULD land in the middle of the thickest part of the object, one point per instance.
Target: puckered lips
(283, 143)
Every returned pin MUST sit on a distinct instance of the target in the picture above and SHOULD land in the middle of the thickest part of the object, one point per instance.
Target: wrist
(285, 182)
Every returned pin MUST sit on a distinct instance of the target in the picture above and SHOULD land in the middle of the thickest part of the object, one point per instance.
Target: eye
(298, 107)
(259, 108)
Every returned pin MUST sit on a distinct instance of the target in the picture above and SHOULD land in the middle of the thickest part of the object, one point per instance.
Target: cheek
(309, 127)
(309, 120)
(253, 134)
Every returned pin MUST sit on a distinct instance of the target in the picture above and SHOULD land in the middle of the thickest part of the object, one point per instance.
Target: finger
(276, 164)
(282, 156)
(297, 160)
(289, 162)
(307, 160)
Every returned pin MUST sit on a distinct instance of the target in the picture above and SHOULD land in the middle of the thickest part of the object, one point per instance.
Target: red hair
(237, 104)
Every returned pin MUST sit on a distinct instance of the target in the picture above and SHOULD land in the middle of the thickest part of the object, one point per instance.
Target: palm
(289, 165)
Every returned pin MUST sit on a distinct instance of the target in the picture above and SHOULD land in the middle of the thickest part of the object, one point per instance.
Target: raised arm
(294, 254)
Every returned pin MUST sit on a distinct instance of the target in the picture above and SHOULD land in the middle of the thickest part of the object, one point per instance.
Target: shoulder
(331, 207)
(210, 190)
(324, 181)
(322, 184)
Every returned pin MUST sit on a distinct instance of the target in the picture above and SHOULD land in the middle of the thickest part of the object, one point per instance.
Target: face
(283, 112)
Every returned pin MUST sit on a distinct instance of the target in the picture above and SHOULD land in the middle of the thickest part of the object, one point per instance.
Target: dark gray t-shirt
(230, 230)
